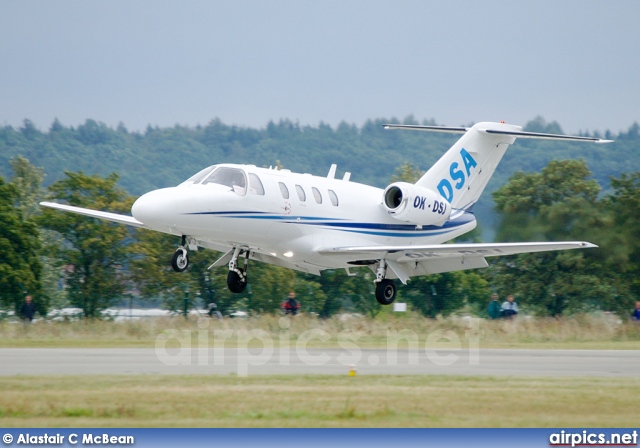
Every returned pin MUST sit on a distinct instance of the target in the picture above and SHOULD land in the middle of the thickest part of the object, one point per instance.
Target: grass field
(317, 401)
(583, 331)
(322, 401)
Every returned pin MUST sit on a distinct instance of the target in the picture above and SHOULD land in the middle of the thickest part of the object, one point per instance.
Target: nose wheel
(180, 259)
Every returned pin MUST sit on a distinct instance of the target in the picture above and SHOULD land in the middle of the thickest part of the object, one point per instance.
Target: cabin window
(317, 195)
(231, 177)
(301, 194)
(255, 185)
(334, 197)
(284, 190)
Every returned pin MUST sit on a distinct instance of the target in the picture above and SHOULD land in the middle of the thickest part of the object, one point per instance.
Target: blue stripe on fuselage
(367, 228)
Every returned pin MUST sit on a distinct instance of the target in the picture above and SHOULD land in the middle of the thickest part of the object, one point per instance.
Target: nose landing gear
(180, 259)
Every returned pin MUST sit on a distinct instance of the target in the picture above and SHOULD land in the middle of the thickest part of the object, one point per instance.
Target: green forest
(542, 191)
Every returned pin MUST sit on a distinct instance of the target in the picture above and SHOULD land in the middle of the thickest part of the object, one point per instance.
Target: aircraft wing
(121, 219)
(409, 261)
(409, 253)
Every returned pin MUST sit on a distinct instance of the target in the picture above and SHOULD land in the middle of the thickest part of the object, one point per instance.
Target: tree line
(64, 259)
(164, 157)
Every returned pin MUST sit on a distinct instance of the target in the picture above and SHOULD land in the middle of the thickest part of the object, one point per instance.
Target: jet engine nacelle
(416, 205)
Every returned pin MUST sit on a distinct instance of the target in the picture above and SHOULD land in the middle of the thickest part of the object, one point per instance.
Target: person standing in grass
(494, 307)
(28, 309)
(636, 312)
(291, 305)
(509, 307)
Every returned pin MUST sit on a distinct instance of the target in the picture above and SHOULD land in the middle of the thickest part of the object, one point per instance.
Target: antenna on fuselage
(332, 171)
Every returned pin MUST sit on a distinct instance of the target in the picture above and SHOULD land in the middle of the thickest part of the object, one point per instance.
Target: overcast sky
(247, 62)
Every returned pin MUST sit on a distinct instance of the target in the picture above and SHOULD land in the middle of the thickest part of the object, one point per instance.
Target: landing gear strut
(180, 259)
(385, 288)
(237, 277)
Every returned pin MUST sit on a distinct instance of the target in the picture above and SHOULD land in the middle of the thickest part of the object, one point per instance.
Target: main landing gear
(237, 277)
(385, 288)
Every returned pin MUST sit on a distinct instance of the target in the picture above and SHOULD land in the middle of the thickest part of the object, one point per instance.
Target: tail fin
(462, 174)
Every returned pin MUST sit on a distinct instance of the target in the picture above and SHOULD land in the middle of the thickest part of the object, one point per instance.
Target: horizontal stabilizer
(410, 127)
(541, 136)
(114, 217)
(519, 134)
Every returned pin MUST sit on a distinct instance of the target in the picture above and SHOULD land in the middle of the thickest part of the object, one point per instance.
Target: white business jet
(310, 223)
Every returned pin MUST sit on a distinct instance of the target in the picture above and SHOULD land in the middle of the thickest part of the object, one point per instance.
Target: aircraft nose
(140, 207)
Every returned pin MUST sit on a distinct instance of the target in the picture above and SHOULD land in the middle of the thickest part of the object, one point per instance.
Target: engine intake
(420, 206)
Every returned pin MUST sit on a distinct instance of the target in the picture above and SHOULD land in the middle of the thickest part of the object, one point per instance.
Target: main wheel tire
(386, 292)
(235, 283)
(180, 260)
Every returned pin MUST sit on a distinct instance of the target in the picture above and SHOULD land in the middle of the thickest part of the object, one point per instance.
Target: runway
(242, 362)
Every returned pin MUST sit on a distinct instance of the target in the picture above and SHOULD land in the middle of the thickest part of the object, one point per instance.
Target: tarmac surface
(255, 361)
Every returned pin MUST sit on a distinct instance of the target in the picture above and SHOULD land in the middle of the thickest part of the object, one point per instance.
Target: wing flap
(114, 217)
(298, 266)
(441, 265)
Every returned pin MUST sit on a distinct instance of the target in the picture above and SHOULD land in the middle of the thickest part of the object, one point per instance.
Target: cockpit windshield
(231, 177)
(196, 178)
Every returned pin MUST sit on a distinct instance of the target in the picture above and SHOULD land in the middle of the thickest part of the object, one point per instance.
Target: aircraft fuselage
(287, 215)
